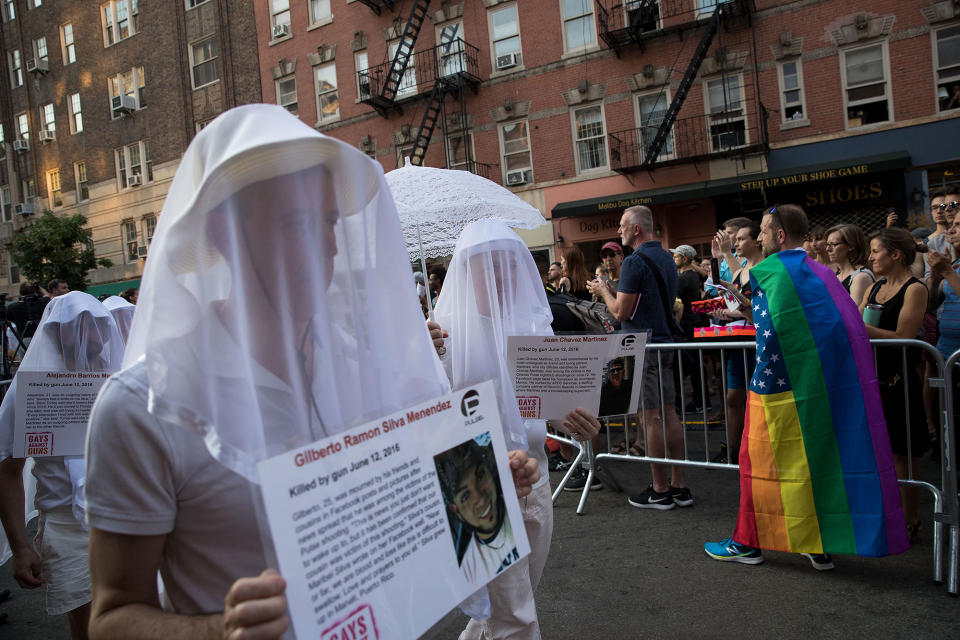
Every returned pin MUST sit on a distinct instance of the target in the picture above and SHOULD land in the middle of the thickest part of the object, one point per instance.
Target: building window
(280, 17)
(134, 164)
(328, 100)
(578, 27)
(865, 86)
(363, 76)
(121, 19)
(16, 69)
(130, 241)
(69, 46)
(515, 152)
(651, 110)
(33, 4)
(589, 138)
(726, 120)
(791, 92)
(404, 151)
(76, 113)
(83, 187)
(28, 190)
(408, 83)
(48, 120)
(14, 270)
(149, 226)
(5, 207)
(708, 6)
(23, 126)
(203, 59)
(130, 83)
(460, 151)
(453, 58)
(40, 48)
(53, 188)
(947, 62)
(287, 94)
(195, 3)
(642, 16)
(505, 35)
(9, 12)
(319, 10)
(200, 125)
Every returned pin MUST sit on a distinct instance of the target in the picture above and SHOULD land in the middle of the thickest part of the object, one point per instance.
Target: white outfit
(122, 312)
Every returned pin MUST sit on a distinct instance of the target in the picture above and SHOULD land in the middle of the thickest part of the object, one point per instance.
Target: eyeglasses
(947, 205)
(607, 254)
(833, 245)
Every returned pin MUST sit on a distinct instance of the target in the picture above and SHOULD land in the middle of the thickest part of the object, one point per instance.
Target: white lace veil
(122, 312)
(492, 290)
(275, 308)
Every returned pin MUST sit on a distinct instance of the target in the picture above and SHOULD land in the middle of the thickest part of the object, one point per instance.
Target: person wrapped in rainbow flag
(816, 471)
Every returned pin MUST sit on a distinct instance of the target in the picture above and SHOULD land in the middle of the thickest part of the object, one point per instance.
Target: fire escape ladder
(432, 113)
(411, 30)
(656, 145)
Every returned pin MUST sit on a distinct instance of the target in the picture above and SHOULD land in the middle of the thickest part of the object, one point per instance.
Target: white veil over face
(275, 308)
(492, 290)
(122, 312)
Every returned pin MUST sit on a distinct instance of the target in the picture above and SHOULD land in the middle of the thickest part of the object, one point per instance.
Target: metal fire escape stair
(418, 13)
(656, 145)
(428, 123)
(378, 5)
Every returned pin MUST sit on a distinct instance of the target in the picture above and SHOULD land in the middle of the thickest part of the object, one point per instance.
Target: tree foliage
(57, 247)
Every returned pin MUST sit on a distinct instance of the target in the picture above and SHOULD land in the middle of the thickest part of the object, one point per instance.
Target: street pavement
(617, 572)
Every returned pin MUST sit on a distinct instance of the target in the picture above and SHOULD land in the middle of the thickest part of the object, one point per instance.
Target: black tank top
(890, 317)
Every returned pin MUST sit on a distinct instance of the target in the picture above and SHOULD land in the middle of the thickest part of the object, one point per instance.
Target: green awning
(113, 288)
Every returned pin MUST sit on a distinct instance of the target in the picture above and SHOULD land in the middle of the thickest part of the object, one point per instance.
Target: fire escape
(440, 74)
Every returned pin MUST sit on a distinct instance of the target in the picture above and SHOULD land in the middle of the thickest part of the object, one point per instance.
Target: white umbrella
(436, 204)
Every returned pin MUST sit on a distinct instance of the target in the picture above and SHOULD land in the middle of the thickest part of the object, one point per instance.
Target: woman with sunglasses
(847, 250)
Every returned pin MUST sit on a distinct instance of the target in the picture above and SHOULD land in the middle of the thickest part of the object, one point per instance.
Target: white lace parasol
(439, 203)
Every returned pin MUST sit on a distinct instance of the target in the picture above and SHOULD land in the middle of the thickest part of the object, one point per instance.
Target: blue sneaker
(730, 551)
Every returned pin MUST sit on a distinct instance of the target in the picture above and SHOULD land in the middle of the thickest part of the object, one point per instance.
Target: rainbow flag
(816, 471)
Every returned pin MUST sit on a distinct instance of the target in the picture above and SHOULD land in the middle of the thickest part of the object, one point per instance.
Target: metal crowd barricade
(714, 433)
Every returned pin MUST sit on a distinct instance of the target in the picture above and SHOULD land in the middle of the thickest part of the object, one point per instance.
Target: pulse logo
(628, 341)
(470, 402)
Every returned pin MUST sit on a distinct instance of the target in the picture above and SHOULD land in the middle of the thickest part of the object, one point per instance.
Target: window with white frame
(40, 48)
(505, 37)
(708, 6)
(9, 12)
(53, 188)
(460, 151)
(515, 152)
(726, 119)
(129, 83)
(280, 17)
(866, 94)
(578, 25)
(14, 269)
(319, 10)
(408, 83)
(76, 113)
(590, 141)
(651, 111)
(5, 206)
(792, 104)
(16, 68)
(642, 15)
(453, 58)
(363, 75)
(67, 43)
(133, 160)
(130, 244)
(33, 4)
(121, 19)
(80, 175)
(23, 126)
(328, 98)
(203, 60)
(195, 3)
(287, 93)
(48, 121)
(947, 62)
(200, 125)
(28, 190)
(149, 226)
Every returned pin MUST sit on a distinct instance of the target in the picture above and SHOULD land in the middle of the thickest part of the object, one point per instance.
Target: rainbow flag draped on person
(816, 471)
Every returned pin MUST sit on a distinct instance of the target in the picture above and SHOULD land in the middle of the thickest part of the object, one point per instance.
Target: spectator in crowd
(945, 282)
(730, 228)
(847, 251)
(944, 205)
(436, 276)
(903, 300)
(688, 292)
(644, 302)
(57, 287)
(575, 274)
(554, 275)
(611, 253)
(601, 272)
(26, 312)
(817, 248)
(131, 295)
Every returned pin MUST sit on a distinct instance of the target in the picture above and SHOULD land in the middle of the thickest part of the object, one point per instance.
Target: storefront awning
(113, 288)
(773, 179)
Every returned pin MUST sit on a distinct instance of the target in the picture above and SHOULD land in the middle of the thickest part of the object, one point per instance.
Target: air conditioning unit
(134, 181)
(46, 135)
(508, 60)
(24, 209)
(280, 30)
(516, 177)
(123, 104)
(141, 252)
(21, 145)
(38, 65)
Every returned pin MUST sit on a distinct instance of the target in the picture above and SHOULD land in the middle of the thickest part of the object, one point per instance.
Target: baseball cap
(685, 250)
(921, 233)
(611, 246)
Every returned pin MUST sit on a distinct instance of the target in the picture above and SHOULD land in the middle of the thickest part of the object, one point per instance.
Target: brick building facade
(847, 108)
(98, 101)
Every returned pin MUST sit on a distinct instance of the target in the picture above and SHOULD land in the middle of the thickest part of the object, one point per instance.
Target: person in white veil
(275, 310)
(122, 312)
(493, 290)
(75, 333)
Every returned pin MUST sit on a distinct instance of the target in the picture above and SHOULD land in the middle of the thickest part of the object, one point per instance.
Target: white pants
(513, 612)
(62, 545)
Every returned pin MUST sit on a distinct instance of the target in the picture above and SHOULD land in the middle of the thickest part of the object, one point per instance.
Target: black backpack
(594, 316)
